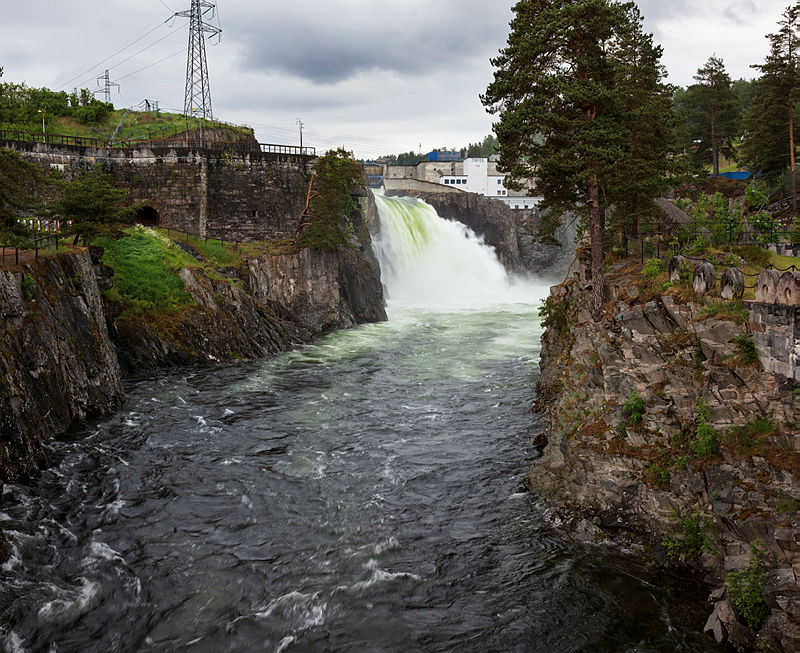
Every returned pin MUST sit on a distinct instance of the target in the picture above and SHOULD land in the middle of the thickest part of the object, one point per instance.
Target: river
(362, 493)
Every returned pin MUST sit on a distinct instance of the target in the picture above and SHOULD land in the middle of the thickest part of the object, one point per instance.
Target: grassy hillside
(135, 126)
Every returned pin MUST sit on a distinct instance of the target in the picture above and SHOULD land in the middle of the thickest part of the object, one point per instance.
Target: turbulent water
(360, 494)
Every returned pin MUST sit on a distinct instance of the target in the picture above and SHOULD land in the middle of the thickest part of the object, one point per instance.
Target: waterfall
(428, 261)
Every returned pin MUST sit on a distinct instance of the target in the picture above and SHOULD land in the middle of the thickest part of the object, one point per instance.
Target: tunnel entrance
(147, 216)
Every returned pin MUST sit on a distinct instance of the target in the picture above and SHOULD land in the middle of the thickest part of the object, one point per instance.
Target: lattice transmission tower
(197, 99)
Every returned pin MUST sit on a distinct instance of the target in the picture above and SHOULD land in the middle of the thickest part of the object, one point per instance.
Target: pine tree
(712, 113)
(572, 117)
(17, 178)
(645, 169)
(93, 205)
(768, 145)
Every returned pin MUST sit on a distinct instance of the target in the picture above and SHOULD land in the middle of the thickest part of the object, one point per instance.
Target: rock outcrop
(58, 365)
(665, 434)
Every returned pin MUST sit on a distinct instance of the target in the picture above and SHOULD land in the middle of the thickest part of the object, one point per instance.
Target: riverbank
(68, 339)
(666, 435)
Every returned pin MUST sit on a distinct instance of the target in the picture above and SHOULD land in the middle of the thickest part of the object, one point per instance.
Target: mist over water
(362, 493)
(441, 264)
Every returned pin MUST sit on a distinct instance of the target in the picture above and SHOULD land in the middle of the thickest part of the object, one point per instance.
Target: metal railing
(243, 147)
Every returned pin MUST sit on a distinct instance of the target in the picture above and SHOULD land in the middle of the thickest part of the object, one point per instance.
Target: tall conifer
(572, 117)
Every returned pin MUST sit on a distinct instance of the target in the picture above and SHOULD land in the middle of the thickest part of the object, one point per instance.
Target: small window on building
(499, 181)
(526, 206)
(446, 181)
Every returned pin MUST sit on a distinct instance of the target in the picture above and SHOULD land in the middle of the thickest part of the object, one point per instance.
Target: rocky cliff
(64, 348)
(665, 434)
(513, 234)
(57, 363)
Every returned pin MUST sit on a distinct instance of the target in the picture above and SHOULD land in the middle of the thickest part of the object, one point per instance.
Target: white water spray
(428, 261)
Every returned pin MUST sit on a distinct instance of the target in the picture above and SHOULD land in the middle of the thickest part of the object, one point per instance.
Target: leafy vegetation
(337, 175)
(746, 590)
(747, 349)
(690, 542)
(95, 207)
(652, 268)
(17, 181)
(705, 442)
(632, 408)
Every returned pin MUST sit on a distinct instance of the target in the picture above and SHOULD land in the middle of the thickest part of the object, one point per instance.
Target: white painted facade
(480, 176)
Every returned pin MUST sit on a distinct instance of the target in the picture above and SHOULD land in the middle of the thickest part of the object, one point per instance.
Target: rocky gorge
(66, 349)
(666, 436)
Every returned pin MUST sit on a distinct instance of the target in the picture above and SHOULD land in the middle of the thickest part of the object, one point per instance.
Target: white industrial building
(474, 175)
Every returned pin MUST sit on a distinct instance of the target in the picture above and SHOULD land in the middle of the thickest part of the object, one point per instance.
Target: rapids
(362, 493)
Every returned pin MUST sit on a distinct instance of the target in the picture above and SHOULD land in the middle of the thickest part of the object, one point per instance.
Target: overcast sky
(376, 76)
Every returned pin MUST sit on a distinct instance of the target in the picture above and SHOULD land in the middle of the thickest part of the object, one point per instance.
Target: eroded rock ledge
(609, 476)
(64, 349)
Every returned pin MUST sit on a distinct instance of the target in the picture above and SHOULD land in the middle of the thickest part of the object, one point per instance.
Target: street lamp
(42, 112)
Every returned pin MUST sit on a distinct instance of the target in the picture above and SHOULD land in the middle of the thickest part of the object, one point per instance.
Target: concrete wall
(416, 185)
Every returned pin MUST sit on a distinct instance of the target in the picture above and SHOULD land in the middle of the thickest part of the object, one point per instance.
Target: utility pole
(197, 99)
(300, 125)
(107, 84)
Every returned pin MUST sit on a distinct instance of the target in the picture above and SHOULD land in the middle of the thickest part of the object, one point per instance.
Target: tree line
(584, 110)
(23, 107)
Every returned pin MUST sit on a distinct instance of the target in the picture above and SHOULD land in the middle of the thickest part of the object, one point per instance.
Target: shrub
(754, 255)
(28, 285)
(632, 408)
(705, 442)
(657, 475)
(746, 590)
(652, 268)
(691, 540)
(747, 349)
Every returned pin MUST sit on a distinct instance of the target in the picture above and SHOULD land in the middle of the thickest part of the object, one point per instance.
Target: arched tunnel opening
(147, 216)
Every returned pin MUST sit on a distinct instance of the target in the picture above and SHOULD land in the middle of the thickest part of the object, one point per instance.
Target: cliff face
(57, 363)
(513, 234)
(702, 469)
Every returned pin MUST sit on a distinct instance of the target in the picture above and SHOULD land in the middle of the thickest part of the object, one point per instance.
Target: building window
(446, 181)
(499, 181)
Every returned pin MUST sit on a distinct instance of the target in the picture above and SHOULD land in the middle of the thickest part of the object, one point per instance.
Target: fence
(14, 252)
(230, 146)
(662, 251)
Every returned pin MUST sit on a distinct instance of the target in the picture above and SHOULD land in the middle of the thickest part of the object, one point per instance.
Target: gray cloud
(331, 42)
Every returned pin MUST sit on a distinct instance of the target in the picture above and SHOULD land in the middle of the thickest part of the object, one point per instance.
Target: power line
(144, 49)
(155, 63)
(122, 49)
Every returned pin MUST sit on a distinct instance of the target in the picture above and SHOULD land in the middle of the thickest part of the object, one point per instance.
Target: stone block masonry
(234, 196)
(776, 334)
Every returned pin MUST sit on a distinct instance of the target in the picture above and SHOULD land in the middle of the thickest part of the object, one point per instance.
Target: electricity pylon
(197, 99)
(106, 88)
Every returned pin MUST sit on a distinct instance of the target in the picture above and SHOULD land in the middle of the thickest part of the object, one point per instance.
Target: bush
(746, 591)
(754, 255)
(747, 349)
(705, 442)
(691, 542)
(652, 268)
(632, 408)
(28, 286)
